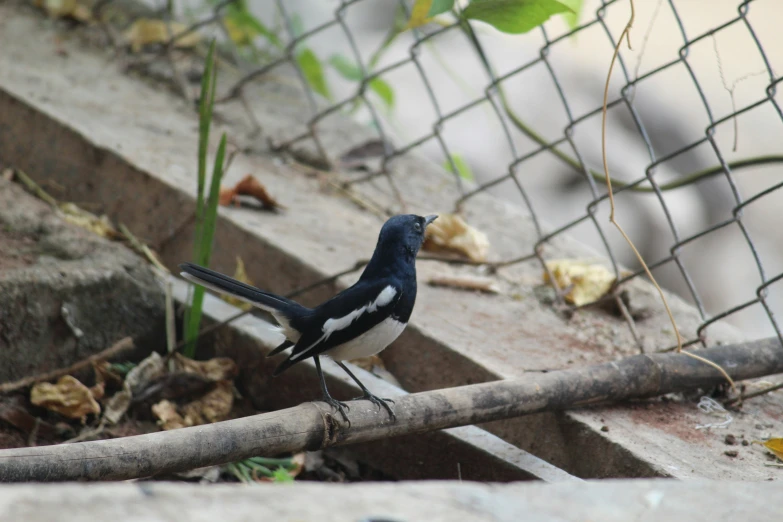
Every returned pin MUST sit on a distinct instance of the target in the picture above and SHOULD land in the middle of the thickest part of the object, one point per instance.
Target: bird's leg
(378, 401)
(334, 403)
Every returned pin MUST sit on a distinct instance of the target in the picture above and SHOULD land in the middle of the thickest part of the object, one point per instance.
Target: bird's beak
(430, 219)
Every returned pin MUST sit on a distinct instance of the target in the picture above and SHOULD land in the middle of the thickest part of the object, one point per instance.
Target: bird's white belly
(370, 342)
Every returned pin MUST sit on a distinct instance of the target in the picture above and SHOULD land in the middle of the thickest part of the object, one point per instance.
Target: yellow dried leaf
(68, 397)
(584, 283)
(168, 417)
(146, 31)
(775, 446)
(80, 217)
(450, 233)
(76, 9)
(212, 407)
(217, 369)
(419, 13)
(240, 275)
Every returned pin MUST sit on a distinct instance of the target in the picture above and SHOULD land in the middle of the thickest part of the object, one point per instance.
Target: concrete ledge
(609, 501)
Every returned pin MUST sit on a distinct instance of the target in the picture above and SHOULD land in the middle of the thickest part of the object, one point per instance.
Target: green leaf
(439, 6)
(246, 22)
(383, 90)
(419, 13)
(572, 17)
(463, 169)
(513, 16)
(350, 71)
(282, 475)
(346, 68)
(313, 72)
(297, 26)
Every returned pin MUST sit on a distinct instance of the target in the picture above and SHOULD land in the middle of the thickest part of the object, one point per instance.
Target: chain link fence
(694, 123)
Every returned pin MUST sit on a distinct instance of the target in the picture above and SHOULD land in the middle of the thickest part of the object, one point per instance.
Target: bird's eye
(417, 227)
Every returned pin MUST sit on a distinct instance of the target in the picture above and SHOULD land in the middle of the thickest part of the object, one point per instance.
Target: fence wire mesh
(694, 124)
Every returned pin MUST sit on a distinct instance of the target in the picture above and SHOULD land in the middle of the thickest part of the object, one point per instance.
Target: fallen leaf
(248, 186)
(14, 411)
(482, 284)
(174, 386)
(212, 407)
(368, 363)
(240, 275)
(585, 283)
(450, 233)
(216, 369)
(168, 417)
(140, 375)
(146, 31)
(80, 217)
(117, 405)
(228, 196)
(76, 9)
(775, 446)
(68, 397)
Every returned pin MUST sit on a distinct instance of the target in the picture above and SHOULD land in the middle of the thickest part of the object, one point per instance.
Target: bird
(360, 321)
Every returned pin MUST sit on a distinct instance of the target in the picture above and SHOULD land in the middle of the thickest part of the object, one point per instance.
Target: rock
(66, 293)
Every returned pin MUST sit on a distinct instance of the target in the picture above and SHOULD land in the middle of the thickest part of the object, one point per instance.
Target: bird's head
(405, 232)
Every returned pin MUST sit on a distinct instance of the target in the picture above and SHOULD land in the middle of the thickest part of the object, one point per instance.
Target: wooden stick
(123, 345)
(311, 426)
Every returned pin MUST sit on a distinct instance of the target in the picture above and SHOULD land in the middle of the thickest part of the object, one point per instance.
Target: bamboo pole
(311, 426)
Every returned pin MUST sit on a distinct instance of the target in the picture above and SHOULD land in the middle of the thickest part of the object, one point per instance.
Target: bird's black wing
(344, 317)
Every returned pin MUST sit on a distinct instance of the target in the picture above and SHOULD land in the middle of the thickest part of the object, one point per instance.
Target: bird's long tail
(250, 294)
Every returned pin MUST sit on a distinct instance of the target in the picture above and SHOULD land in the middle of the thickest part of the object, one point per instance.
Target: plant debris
(78, 10)
(582, 282)
(68, 397)
(465, 282)
(148, 31)
(775, 445)
(450, 233)
(248, 186)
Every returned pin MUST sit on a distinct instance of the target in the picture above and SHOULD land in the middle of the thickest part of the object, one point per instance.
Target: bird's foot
(380, 402)
(339, 406)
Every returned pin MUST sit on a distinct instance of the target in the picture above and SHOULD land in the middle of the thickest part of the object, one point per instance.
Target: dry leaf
(117, 405)
(148, 369)
(240, 275)
(212, 407)
(482, 284)
(76, 9)
(98, 225)
(775, 446)
(217, 369)
(450, 233)
(298, 460)
(248, 186)
(68, 397)
(585, 283)
(168, 417)
(368, 363)
(228, 196)
(146, 31)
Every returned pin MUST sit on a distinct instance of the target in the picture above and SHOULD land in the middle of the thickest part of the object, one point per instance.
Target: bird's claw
(339, 406)
(379, 402)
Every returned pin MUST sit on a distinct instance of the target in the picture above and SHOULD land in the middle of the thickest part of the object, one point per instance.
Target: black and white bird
(358, 322)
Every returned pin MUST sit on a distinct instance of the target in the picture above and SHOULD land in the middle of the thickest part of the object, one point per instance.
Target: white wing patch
(339, 323)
